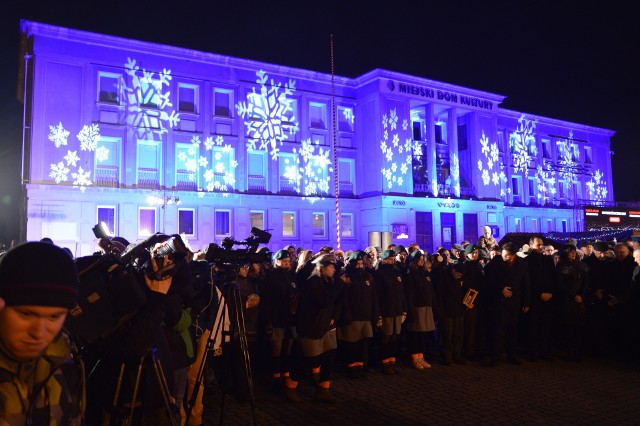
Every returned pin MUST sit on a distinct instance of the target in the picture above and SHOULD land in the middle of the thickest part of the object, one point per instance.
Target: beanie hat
(600, 246)
(470, 248)
(39, 274)
(399, 249)
(282, 254)
(387, 253)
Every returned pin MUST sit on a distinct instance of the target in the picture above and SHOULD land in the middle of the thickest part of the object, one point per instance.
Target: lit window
(146, 221)
(186, 161)
(257, 219)
(107, 215)
(223, 222)
(186, 221)
(289, 177)
(587, 155)
(188, 98)
(223, 101)
(546, 149)
(257, 166)
(345, 176)
(345, 119)
(107, 162)
(317, 115)
(288, 224)
(108, 87)
(346, 225)
(319, 225)
(148, 159)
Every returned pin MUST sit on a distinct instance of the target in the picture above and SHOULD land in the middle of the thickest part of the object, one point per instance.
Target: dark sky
(575, 61)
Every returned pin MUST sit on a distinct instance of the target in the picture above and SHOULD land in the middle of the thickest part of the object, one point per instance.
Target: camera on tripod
(227, 255)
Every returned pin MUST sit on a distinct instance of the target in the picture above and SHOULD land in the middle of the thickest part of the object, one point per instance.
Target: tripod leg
(164, 387)
(128, 420)
(114, 407)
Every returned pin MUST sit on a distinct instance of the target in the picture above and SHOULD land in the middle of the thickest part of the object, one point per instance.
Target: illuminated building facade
(150, 138)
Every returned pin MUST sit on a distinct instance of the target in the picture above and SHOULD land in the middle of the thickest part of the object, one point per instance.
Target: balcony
(287, 186)
(107, 176)
(346, 188)
(186, 181)
(148, 178)
(257, 183)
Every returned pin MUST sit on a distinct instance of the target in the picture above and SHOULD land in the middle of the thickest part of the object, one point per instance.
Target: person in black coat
(474, 318)
(278, 301)
(509, 283)
(420, 297)
(393, 311)
(542, 284)
(360, 314)
(450, 292)
(572, 281)
(319, 312)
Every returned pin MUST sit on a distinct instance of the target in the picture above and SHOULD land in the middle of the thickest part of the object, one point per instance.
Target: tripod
(125, 414)
(232, 291)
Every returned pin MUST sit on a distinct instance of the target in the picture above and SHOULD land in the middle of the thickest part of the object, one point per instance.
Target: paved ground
(593, 392)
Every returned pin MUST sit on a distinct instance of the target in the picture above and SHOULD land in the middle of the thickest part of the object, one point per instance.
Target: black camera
(227, 255)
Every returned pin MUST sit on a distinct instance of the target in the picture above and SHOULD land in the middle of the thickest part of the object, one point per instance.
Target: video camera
(226, 255)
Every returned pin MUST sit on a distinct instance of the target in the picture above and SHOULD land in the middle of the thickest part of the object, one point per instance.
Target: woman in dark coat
(572, 282)
(420, 296)
(359, 316)
(318, 313)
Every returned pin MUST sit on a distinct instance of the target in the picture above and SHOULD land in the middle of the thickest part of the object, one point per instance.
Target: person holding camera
(41, 380)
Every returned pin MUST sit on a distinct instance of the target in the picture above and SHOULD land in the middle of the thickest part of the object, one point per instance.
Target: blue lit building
(151, 138)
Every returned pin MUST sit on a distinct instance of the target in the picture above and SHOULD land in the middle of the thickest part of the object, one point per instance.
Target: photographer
(40, 380)
(140, 336)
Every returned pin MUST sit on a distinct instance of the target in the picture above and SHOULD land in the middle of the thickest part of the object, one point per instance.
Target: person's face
(255, 267)
(572, 255)
(292, 253)
(636, 256)
(360, 264)
(339, 257)
(26, 330)
(446, 255)
(283, 263)
(549, 250)
(428, 265)
(373, 255)
(587, 250)
(600, 255)
(486, 231)
(402, 257)
(389, 260)
(328, 270)
(537, 246)
(455, 252)
(508, 257)
(421, 262)
(621, 253)
(473, 256)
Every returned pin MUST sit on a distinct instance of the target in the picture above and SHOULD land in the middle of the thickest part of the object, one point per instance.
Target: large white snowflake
(59, 172)
(522, 142)
(398, 155)
(269, 115)
(546, 183)
(316, 167)
(597, 186)
(81, 178)
(102, 153)
(58, 135)
(89, 136)
(72, 158)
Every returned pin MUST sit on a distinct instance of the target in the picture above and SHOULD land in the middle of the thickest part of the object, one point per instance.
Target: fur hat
(40, 274)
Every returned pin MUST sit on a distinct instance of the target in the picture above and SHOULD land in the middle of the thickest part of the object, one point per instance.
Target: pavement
(592, 392)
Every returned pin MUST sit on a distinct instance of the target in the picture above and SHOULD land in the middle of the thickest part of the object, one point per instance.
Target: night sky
(575, 61)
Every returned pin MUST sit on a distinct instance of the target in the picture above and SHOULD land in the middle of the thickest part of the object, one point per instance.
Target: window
(345, 119)
(148, 159)
(534, 225)
(221, 175)
(441, 131)
(462, 137)
(188, 97)
(288, 224)
(546, 149)
(346, 225)
(289, 177)
(562, 187)
(223, 222)
(149, 92)
(223, 102)
(318, 225)
(317, 115)
(109, 87)
(146, 221)
(550, 225)
(518, 224)
(417, 130)
(515, 188)
(257, 166)
(532, 190)
(587, 155)
(186, 166)
(107, 215)
(346, 167)
(107, 162)
(289, 117)
(501, 141)
(560, 150)
(186, 222)
(257, 219)
(564, 225)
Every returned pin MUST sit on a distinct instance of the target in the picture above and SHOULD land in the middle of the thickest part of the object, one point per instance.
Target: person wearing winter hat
(38, 285)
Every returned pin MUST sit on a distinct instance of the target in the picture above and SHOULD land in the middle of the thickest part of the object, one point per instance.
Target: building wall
(124, 129)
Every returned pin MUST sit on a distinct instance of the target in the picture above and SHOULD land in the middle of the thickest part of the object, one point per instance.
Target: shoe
(323, 395)
(292, 394)
(417, 363)
(424, 362)
(514, 361)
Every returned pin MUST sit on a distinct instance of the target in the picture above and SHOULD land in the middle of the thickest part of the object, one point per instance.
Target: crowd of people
(304, 316)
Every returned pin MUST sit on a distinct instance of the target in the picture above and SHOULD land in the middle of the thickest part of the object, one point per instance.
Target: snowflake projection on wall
(546, 183)
(269, 115)
(490, 168)
(148, 98)
(398, 155)
(455, 174)
(102, 154)
(316, 167)
(522, 142)
(568, 159)
(58, 135)
(349, 116)
(88, 138)
(221, 176)
(597, 186)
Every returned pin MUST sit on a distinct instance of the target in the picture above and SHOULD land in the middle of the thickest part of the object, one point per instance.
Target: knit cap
(39, 274)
